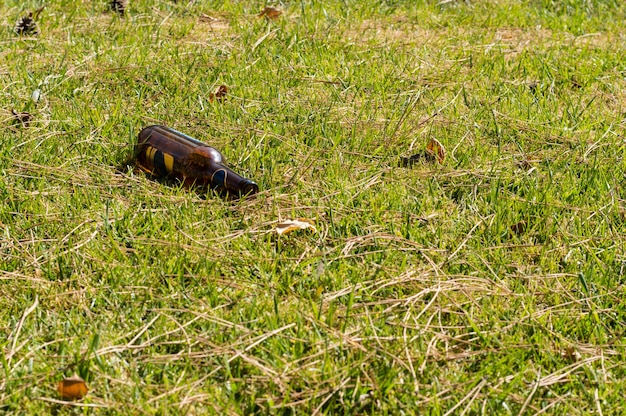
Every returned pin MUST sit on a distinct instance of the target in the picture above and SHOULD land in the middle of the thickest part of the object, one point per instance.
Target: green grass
(489, 284)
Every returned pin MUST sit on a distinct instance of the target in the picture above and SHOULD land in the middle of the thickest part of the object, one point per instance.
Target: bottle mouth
(249, 188)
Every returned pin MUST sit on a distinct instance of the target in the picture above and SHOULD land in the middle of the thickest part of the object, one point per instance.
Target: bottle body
(165, 152)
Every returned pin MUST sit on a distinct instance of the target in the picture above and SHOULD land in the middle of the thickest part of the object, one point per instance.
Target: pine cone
(119, 6)
(26, 26)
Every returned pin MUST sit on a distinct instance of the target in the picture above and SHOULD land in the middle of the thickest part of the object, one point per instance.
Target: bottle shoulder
(205, 155)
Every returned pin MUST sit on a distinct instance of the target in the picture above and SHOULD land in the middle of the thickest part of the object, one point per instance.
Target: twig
(558, 376)
(597, 400)
(407, 110)
(465, 240)
(68, 403)
(333, 391)
(471, 400)
(472, 392)
(18, 329)
(129, 344)
(530, 396)
(261, 339)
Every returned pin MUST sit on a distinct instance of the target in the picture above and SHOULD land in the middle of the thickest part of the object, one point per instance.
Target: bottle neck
(223, 179)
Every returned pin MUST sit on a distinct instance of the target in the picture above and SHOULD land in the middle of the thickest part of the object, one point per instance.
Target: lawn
(487, 282)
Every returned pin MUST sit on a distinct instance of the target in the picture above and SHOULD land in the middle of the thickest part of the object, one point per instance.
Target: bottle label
(162, 162)
(218, 179)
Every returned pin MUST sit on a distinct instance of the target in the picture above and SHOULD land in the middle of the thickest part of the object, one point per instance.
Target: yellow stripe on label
(150, 152)
(169, 162)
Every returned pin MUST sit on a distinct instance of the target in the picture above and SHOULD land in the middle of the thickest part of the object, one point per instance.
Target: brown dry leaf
(293, 225)
(208, 18)
(219, 94)
(72, 388)
(409, 161)
(571, 354)
(22, 117)
(519, 228)
(525, 164)
(37, 12)
(532, 86)
(271, 12)
(436, 150)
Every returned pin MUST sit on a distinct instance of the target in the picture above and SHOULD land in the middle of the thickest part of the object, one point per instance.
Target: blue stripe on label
(218, 178)
(159, 163)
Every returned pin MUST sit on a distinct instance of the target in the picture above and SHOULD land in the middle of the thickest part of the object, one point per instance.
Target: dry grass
(489, 284)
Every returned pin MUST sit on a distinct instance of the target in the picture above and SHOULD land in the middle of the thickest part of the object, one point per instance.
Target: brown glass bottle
(165, 152)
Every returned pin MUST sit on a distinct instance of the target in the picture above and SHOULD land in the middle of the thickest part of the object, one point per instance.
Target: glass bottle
(165, 152)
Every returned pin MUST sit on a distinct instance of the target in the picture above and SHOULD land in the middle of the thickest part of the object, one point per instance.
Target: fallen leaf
(219, 94)
(436, 150)
(72, 388)
(519, 228)
(271, 12)
(36, 95)
(533, 86)
(524, 163)
(409, 161)
(571, 354)
(37, 12)
(119, 6)
(22, 118)
(207, 18)
(293, 225)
